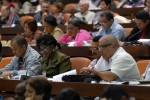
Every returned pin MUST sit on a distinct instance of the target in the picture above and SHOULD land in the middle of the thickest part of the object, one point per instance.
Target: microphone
(25, 77)
(134, 35)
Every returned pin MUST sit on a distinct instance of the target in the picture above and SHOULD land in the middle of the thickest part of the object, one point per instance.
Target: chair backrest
(142, 64)
(5, 61)
(79, 62)
(25, 18)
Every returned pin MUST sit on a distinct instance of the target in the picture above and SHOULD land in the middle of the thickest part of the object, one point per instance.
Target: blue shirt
(116, 29)
(31, 63)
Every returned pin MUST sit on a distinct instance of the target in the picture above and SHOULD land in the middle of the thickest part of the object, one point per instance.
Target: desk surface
(84, 89)
(138, 52)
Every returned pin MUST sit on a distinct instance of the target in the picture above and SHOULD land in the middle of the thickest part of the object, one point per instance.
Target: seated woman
(75, 33)
(50, 27)
(141, 30)
(31, 32)
(38, 88)
(53, 62)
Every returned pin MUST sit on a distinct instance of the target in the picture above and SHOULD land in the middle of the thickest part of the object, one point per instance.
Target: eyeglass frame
(104, 46)
(94, 48)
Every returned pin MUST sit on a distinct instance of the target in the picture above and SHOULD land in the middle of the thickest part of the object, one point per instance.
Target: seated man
(85, 15)
(115, 63)
(8, 18)
(40, 15)
(25, 61)
(109, 26)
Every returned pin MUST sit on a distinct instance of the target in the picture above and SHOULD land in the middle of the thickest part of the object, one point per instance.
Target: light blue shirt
(116, 29)
(31, 63)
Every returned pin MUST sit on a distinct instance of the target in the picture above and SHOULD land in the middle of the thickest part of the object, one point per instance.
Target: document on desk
(58, 78)
(112, 82)
(144, 41)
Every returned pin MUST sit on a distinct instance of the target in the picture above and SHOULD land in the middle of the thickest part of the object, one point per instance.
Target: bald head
(110, 39)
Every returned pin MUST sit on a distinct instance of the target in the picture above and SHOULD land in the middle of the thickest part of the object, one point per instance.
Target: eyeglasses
(104, 46)
(94, 48)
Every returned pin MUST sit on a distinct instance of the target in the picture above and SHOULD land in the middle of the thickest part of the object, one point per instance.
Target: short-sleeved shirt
(122, 64)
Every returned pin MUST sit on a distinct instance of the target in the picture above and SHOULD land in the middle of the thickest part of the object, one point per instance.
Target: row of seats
(80, 62)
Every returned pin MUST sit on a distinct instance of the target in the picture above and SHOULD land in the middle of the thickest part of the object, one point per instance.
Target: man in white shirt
(84, 14)
(115, 63)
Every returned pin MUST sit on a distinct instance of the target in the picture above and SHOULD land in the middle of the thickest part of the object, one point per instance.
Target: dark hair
(41, 86)
(0, 48)
(20, 40)
(108, 14)
(67, 94)
(47, 40)
(142, 15)
(96, 38)
(32, 24)
(51, 20)
(114, 92)
(20, 90)
(76, 22)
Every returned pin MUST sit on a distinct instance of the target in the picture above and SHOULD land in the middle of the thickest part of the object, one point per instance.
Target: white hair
(84, 2)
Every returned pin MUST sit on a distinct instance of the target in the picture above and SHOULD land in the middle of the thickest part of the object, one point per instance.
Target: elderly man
(84, 14)
(8, 18)
(109, 26)
(40, 15)
(115, 63)
(25, 61)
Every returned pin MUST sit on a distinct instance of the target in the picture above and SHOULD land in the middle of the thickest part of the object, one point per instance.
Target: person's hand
(6, 74)
(120, 43)
(85, 70)
(45, 14)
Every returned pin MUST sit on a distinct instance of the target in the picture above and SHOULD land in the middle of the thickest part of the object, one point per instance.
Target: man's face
(141, 25)
(4, 12)
(105, 49)
(95, 51)
(18, 51)
(105, 23)
(84, 7)
(45, 7)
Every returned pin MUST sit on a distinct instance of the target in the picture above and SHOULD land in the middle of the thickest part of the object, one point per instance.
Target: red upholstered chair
(5, 61)
(142, 64)
(79, 62)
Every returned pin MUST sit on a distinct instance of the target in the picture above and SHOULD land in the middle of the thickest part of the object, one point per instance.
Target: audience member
(26, 7)
(8, 18)
(147, 8)
(84, 14)
(31, 31)
(109, 26)
(56, 10)
(114, 92)
(141, 30)
(75, 33)
(25, 61)
(105, 5)
(95, 52)
(40, 15)
(116, 62)
(50, 27)
(53, 62)
(68, 94)
(38, 88)
(20, 91)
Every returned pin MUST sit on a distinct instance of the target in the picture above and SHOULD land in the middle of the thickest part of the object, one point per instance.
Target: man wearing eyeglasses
(109, 26)
(120, 65)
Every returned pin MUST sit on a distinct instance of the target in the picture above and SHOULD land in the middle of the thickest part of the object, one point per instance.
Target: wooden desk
(138, 52)
(84, 89)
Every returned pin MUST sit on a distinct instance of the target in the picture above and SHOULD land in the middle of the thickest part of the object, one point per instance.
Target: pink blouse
(83, 35)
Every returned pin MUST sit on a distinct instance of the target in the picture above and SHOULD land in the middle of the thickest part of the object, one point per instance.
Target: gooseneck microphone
(134, 35)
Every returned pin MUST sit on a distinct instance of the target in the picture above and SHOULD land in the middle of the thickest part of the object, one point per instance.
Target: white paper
(58, 78)
(144, 41)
